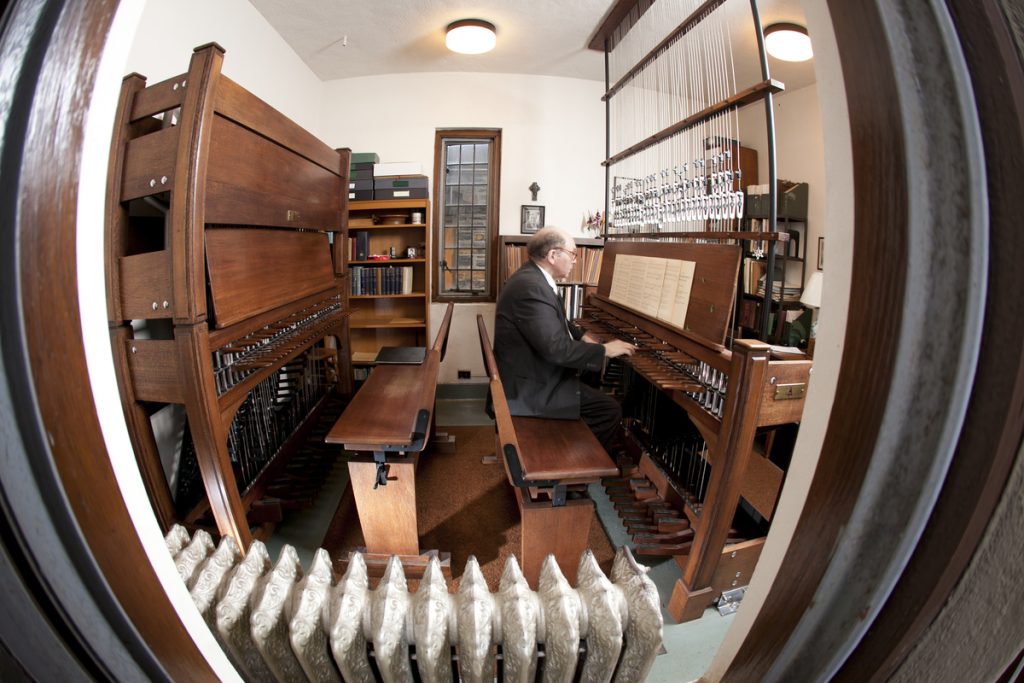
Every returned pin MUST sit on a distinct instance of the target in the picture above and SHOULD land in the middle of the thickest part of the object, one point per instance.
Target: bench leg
(559, 531)
(387, 514)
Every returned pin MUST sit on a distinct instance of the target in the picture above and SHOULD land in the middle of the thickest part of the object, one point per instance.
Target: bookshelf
(790, 261)
(389, 292)
(585, 272)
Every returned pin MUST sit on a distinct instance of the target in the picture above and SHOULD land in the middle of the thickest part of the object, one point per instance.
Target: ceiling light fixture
(788, 42)
(470, 36)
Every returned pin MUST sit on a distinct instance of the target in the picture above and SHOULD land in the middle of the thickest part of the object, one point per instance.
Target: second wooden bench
(550, 462)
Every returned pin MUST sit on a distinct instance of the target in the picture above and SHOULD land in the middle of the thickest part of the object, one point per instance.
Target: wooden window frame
(494, 186)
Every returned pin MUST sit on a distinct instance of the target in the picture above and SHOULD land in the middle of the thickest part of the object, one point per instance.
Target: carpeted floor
(463, 507)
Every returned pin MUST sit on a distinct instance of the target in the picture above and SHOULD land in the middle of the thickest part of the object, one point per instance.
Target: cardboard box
(401, 193)
(360, 195)
(400, 182)
(398, 168)
(364, 158)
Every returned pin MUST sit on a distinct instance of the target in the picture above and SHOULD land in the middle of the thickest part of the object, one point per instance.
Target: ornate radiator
(278, 624)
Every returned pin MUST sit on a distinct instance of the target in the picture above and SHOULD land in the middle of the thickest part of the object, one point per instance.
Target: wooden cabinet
(389, 286)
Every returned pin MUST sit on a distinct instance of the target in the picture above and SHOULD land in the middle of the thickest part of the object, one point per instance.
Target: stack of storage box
(360, 181)
(399, 180)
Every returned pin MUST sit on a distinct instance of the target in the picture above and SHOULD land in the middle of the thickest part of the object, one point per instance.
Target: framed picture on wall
(532, 219)
(821, 253)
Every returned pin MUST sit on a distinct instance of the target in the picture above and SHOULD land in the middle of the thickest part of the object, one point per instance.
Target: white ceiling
(348, 38)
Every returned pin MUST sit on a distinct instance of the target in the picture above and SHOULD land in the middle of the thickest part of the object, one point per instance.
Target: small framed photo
(532, 219)
(821, 253)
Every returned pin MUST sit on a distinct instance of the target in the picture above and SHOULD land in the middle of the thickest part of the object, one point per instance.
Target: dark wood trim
(493, 224)
(697, 16)
(45, 364)
(888, 584)
(994, 425)
(602, 36)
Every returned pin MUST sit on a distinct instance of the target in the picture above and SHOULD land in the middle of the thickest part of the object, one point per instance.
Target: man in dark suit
(540, 354)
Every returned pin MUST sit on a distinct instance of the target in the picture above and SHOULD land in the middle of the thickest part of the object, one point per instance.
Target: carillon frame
(710, 202)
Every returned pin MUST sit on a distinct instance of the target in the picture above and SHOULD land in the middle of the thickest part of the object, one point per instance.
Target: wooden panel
(253, 271)
(560, 449)
(149, 164)
(209, 435)
(775, 411)
(748, 168)
(387, 514)
(116, 235)
(737, 564)
(252, 181)
(154, 371)
(238, 104)
(546, 530)
(140, 431)
(714, 281)
(762, 482)
(383, 411)
(188, 201)
(159, 97)
(733, 449)
(145, 281)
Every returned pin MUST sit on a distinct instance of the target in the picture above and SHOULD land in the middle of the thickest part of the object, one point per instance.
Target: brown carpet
(462, 507)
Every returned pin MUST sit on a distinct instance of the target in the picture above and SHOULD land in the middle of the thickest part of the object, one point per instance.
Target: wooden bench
(391, 417)
(549, 462)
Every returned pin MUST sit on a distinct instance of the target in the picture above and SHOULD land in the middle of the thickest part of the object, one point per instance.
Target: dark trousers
(601, 412)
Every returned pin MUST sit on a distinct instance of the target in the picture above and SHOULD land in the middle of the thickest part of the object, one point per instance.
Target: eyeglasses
(572, 254)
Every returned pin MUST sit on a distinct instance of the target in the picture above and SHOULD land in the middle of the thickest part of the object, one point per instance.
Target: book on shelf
(381, 280)
(784, 289)
(586, 269)
(782, 292)
(362, 245)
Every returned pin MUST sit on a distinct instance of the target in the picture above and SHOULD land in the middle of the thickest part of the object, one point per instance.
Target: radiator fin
(277, 624)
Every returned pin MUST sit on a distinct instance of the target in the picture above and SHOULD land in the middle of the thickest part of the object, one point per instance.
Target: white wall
(800, 153)
(256, 57)
(552, 132)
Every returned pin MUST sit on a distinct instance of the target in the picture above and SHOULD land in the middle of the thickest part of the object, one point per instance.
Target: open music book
(657, 287)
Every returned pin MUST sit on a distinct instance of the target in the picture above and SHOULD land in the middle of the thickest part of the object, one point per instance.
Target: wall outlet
(463, 374)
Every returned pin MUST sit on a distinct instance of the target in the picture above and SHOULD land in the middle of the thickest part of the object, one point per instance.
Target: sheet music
(652, 280)
(657, 287)
(620, 278)
(682, 299)
(668, 293)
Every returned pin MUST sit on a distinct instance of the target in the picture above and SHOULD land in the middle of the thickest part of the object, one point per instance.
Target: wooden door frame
(84, 580)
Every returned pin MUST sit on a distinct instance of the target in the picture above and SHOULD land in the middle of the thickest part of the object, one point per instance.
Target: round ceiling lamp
(788, 42)
(470, 36)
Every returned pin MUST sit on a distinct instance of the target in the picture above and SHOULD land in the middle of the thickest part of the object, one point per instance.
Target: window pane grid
(466, 194)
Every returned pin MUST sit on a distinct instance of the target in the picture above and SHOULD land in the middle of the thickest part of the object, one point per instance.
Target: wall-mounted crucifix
(534, 188)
